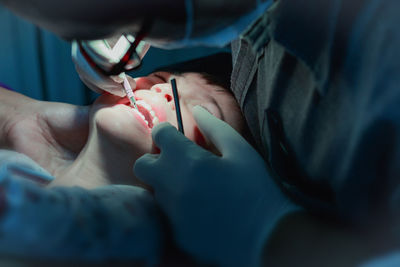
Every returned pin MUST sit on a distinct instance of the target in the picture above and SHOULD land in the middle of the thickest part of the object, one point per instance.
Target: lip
(135, 113)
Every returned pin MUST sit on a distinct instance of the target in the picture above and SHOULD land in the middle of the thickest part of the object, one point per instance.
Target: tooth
(155, 121)
(144, 104)
(152, 113)
(140, 114)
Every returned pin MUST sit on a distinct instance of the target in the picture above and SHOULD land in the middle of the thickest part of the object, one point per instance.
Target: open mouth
(145, 112)
(148, 114)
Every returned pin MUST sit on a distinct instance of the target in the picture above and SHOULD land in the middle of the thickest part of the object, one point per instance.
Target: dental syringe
(129, 92)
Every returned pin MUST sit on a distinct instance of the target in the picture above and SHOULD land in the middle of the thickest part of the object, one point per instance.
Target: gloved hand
(221, 208)
(94, 79)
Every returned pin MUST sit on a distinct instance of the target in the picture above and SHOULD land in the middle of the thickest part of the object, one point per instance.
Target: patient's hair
(216, 68)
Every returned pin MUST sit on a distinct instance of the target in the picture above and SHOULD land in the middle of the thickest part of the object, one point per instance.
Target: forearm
(12, 106)
(114, 222)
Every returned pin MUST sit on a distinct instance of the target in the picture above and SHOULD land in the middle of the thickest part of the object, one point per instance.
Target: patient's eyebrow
(221, 90)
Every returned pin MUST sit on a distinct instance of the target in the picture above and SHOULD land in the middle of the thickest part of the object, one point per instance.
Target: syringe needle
(129, 92)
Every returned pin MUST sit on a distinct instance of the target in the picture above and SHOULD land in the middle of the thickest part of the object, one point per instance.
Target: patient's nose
(168, 97)
(163, 89)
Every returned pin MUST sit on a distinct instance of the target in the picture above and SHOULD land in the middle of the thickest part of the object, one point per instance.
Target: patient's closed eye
(159, 76)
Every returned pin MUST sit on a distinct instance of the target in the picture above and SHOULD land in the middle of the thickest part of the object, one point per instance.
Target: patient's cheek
(199, 138)
(155, 149)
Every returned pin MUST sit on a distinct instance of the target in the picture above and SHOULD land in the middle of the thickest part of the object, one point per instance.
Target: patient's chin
(119, 126)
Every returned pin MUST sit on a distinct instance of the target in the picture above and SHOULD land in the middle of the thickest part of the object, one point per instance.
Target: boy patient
(95, 209)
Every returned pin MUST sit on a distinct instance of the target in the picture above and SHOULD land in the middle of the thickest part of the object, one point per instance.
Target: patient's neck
(103, 161)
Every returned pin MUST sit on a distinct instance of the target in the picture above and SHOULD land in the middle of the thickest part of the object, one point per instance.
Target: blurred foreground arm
(119, 223)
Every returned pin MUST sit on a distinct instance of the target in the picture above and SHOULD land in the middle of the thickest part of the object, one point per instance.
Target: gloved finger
(119, 79)
(146, 169)
(100, 83)
(222, 135)
(178, 157)
(131, 81)
(172, 143)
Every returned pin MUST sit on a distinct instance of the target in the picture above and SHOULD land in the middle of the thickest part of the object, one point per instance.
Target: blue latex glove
(221, 208)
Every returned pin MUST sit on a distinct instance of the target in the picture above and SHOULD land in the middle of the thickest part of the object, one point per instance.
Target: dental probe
(177, 106)
(129, 92)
